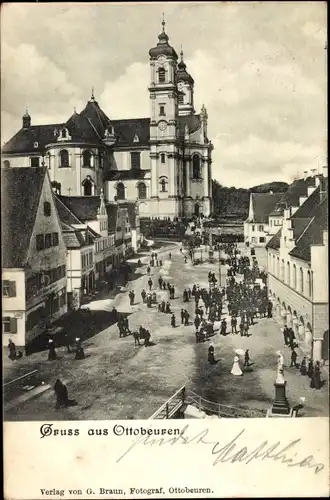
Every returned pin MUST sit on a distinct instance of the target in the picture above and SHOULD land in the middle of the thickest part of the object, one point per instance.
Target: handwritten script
(232, 451)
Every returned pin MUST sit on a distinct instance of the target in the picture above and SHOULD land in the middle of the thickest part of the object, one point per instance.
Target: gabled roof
(84, 208)
(20, 195)
(263, 204)
(309, 205)
(299, 226)
(65, 215)
(25, 140)
(313, 234)
(126, 130)
(125, 175)
(275, 242)
(291, 197)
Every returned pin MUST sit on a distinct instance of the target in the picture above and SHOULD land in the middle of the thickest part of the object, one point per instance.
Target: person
(126, 325)
(170, 256)
(154, 298)
(67, 342)
(150, 283)
(160, 262)
(160, 282)
(12, 350)
(185, 295)
(236, 369)
(147, 336)
(293, 358)
(286, 335)
(292, 338)
(148, 270)
(303, 367)
(180, 249)
(310, 369)
(210, 354)
(186, 318)
(246, 329)
(317, 376)
(61, 392)
(223, 329)
(168, 308)
(233, 325)
(182, 316)
(185, 259)
(143, 296)
(189, 294)
(120, 327)
(247, 358)
(136, 338)
(197, 322)
(79, 350)
(163, 306)
(114, 314)
(173, 321)
(241, 328)
(51, 352)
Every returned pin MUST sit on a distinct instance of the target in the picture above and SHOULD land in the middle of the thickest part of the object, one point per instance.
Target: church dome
(163, 47)
(182, 73)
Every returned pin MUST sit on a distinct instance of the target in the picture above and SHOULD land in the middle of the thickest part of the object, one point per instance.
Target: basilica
(161, 163)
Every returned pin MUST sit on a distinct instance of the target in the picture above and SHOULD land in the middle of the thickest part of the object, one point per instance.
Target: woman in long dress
(236, 369)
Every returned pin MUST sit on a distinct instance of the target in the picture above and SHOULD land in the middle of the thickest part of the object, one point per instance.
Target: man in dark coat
(143, 296)
(51, 352)
(286, 335)
(186, 318)
(12, 350)
(233, 325)
(247, 358)
(303, 367)
(293, 358)
(223, 328)
(61, 392)
(310, 369)
(173, 321)
(182, 316)
(80, 354)
(150, 283)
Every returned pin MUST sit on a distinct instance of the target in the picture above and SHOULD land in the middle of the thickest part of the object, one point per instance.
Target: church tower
(185, 89)
(163, 126)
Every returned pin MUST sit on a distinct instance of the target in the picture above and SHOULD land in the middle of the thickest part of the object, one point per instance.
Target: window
(54, 239)
(162, 158)
(9, 288)
(87, 159)
(294, 276)
(64, 132)
(142, 191)
(253, 239)
(161, 75)
(278, 267)
(120, 191)
(181, 98)
(301, 280)
(40, 240)
(48, 240)
(282, 270)
(64, 158)
(309, 284)
(288, 273)
(162, 110)
(253, 228)
(163, 185)
(262, 239)
(196, 167)
(6, 163)
(47, 208)
(260, 228)
(9, 325)
(136, 160)
(88, 187)
(35, 162)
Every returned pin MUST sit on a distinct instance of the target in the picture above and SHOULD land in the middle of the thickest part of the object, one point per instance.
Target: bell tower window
(161, 75)
(196, 167)
(120, 191)
(162, 110)
(162, 158)
(87, 158)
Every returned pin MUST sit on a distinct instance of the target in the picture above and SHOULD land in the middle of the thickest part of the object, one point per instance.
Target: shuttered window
(9, 288)
(40, 241)
(9, 325)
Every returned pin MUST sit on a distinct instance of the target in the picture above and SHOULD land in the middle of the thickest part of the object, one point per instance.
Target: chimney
(305, 174)
(325, 171)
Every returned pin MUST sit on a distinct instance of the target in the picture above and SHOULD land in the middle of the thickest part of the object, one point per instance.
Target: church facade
(161, 163)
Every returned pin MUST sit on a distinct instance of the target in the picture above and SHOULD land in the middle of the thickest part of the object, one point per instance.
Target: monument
(280, 407)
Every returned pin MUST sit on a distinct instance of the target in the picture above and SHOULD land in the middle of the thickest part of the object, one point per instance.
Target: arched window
(163, 185)
(294, 280)
(288, 273)
(309, 283)
(87, 158)
(282, 270)
(278, 267)
(88, 187)
(274, 265)
(64, 158)
(196, 167)
(120, 191)
(6, 163)
(161, 75)
(142, 191)
(301, 280)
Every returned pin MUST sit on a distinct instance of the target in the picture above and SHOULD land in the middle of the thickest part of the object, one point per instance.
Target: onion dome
(163, 47)
(26, 120)
(182, 73)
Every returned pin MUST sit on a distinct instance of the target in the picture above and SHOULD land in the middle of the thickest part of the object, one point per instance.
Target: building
(298, 269)
(256, 226)
(162, 162)
(33, 255)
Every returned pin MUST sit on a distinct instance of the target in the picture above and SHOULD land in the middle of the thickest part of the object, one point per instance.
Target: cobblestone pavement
(120, 380)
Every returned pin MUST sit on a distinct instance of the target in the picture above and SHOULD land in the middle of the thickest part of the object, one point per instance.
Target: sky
(259, 68)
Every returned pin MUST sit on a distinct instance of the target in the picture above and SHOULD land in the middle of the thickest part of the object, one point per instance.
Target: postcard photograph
(164, 211)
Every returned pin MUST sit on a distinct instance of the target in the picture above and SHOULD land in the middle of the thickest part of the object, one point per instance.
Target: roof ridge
(304, 231)
(90, 121)
(71, 213)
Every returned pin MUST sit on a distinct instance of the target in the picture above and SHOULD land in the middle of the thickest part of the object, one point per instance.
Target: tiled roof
(193, 122)
(20, 195)
(82, 129)
(94, 114)
(299, 226)
(309, 205)
(125, 175)
(83, 207)
(313, 234)
(263, 204)
(25, 140)
(112, 211)
(275, 241)
(126, 130)
(65, 215)
(291, 197)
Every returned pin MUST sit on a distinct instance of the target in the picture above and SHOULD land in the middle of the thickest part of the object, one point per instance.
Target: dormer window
(36, 145)
(136, 138)
(64, 132)
(161, 75)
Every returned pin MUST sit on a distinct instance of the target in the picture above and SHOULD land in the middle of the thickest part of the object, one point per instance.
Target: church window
(301, 280)
(163, 185)
(35, 162)
(162, 158)
(196, 167)
(64, 158)
(120, 191)
(87, 158)
(162, 110)
(135, 160)
(88, 187)
(47, 209)
(181, 98)
(6, 163)
(142, 191)
(161, 75)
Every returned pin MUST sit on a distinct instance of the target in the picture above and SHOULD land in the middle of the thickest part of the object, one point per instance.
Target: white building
(162, 161)
(256, 226)
(298, 270)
